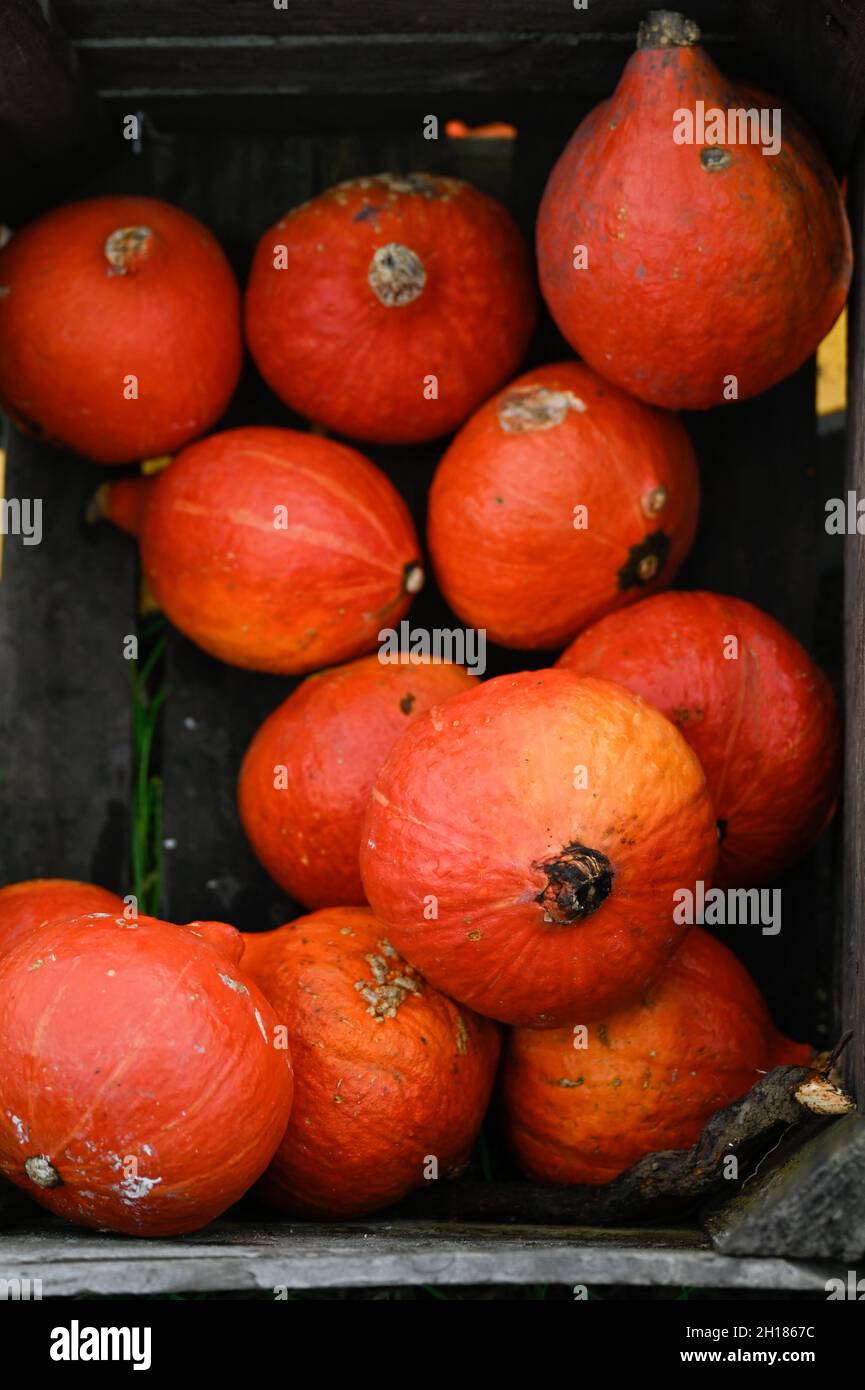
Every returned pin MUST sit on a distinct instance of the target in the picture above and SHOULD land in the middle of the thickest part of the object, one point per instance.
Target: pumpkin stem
(41, 1170)
(123, 503)
(127, 248)
(667, 29)
(396, 275)
(578, 881)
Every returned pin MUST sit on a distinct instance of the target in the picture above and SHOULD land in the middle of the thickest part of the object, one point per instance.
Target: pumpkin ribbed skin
(76, 324)
(278, 551)
(142, 1090)
(503, 528)
(391, 281)
(523, 843)
(765, 725)
(650, 1075)
(309, 770)
(390, 1073)
(705, 262)
(36, 900)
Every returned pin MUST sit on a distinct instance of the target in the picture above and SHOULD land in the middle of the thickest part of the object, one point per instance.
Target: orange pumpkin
(143, 1086)
(524, 841)
(119, 328)
(308, 772)
(388, 307)
(761, 717)
(560, 500)
(30, 903)
(685, 264)
(393, 1078)
(274, 550)
(583, 1107)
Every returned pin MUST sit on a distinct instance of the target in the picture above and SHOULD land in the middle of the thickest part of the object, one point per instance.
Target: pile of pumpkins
(475, 854)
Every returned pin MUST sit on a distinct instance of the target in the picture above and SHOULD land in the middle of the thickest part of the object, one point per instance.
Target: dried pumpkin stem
(667, 29)
(396, 275)
(127, 248)
(578, 881)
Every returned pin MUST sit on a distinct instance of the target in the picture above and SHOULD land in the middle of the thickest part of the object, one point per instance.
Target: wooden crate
(249, 110)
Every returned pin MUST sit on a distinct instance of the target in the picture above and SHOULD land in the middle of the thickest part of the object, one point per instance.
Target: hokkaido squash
(523, 843)
(560, 500)
(308, 773)
(582, 1106)
(761, 717)
(677, 257)
(388, 307)
(36, 900)
(144, 1084)
(119, 328)
(393, 1078)
(275, 550)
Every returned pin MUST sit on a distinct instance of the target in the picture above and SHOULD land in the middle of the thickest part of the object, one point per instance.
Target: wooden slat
(36, 59)
(65, 727)
(814, 56)
(332, 113)
(376, 66)
(47, 117)
(851, 956)
(87, 19)
(236, 1255)
(810, 1205)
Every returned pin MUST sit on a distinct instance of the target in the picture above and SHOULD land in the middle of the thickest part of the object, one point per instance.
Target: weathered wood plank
(335, 112)
(238, 1256)
(851, 952)
(87, 19)
(46, 114)
(66, 605)
(36, 59)
(808, 1206)
(374, 67)
(814, 56)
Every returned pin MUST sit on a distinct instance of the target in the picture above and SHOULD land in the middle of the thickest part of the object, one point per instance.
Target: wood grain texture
(808, 1205)
(38, 60)
(368, 68)
(813, 55)
(66, 605)
(89, 19)
(851, 953)
(47, 114)
(336, 112)
(236, 1255)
